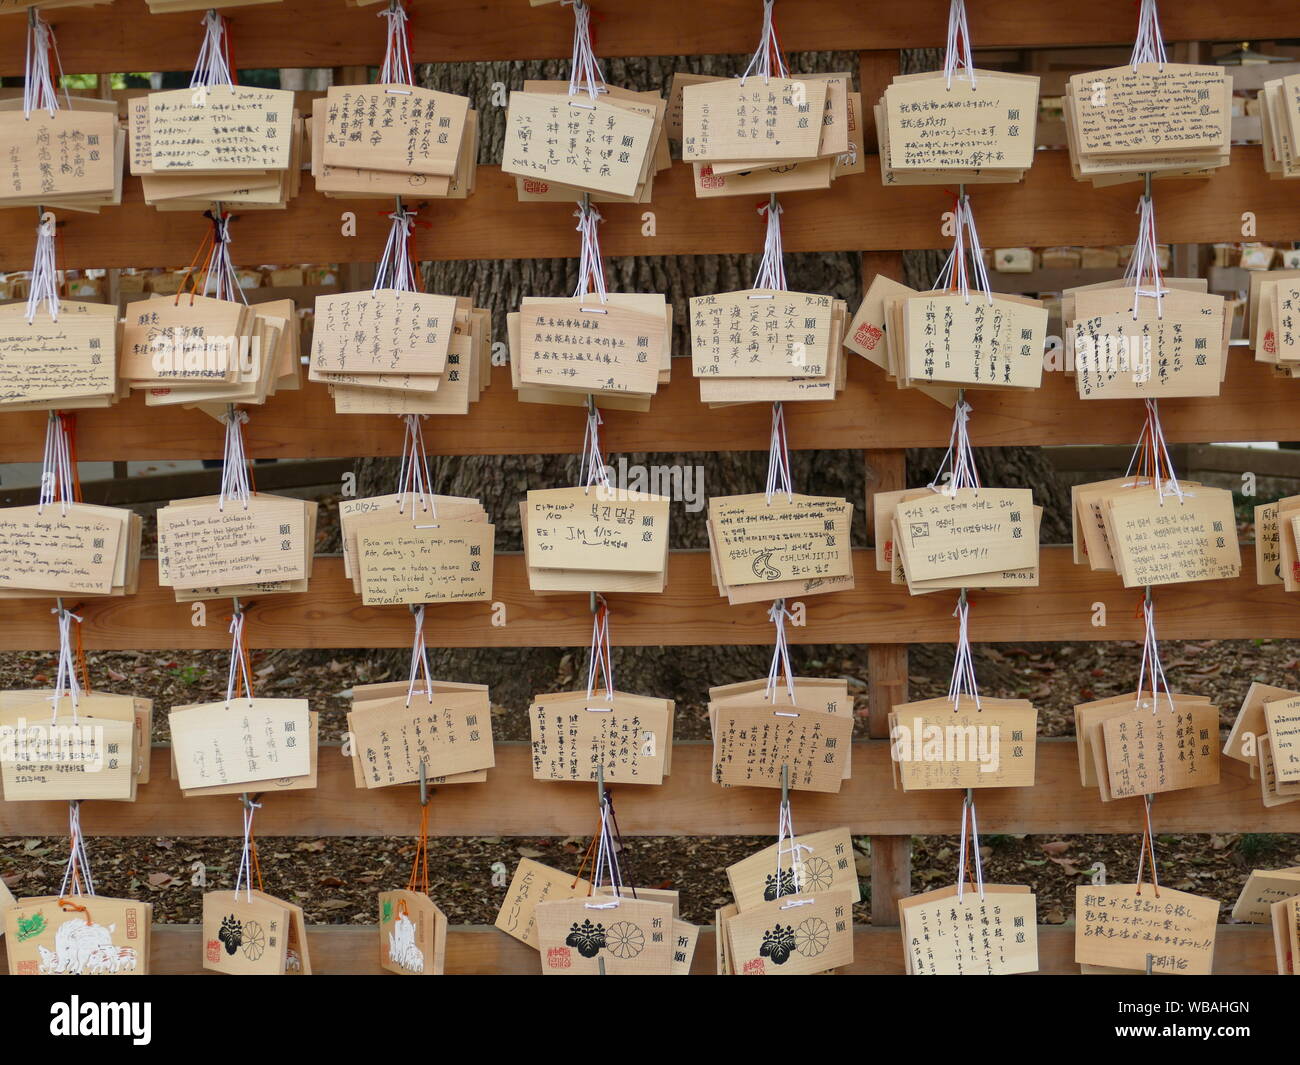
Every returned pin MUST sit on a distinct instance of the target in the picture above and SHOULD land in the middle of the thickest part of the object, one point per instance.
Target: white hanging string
(39, 90)
(592, 471)
(1148, 841)
(57, 484)
(600, 660)
(395, 269)
(965, 247)
(1143, 270)
(959, 459)
(963, 664)
(397, 68)
(66, 683)
(767, 59)
(968, 810)
(45, 275)
(414, 482)
(1152, 442)
(238, 659)
(234, 460)
(419, 659)
(76, 874)
(222, 281)
(780, 666)
(585, 74)
(778, 458)
(1148, 45)
(212, 69)
(1151, 669)
(771, 268)
(244, 878)
(591, 268)
(606, 870)
(958, 52)
(788, 845)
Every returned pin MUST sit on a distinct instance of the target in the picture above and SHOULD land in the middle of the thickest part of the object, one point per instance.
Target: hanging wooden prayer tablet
(752, 743)
(240, 741)
(63, 549)
(84, 751)
(981, 930)
(757, 541)
(70, 153)
(1173, 537)
(760, 333)
(575, 734)
(206, 542)
(597, 528)
(216, 128)
(6, 900)
(1127, 926)
(752, 119)
(590, 346)
(1168, 749)
(78, 935)
(533, 884)
(976, 340)
(396, 128)
(449, 732)
(631, 936)
(246, 933)
(821, 861)
(970, 530)
(385, 331)
(1285, 918)
(794, 935)
(821, 693)
(412, 934)
(438, 561)
(989, 743)
(590, 145)
(1262, 889)
(1283, 720)
(66, 361)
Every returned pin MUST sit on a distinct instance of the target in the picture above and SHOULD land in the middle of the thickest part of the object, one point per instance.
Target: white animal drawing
(402, 950)
(110, 960)
(83, 948)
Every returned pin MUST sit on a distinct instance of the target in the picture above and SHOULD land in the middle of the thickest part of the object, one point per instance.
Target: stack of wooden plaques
(69, 160)
(616, 349)
(1153, 534)
(967, 742)
(871, 336)
(381, 141)
(648, 104)
(394, 351)
(93, 746)
(767, 345)
(1124, 346)
(238, 934)
(444, 726)
(1163, 119)
(561, 143)
(793, 908)
(595, 539)
(68, 549)
(1279, 126)
(381, 519)
(1272, 897)
(66, 360)
(973, 127)
(967, 537)
(1273, 319)
(778, 547)
(838, 151)
(234, 144)
(199, 349)
(1268, 725)
(1142, 744)
(211, 548)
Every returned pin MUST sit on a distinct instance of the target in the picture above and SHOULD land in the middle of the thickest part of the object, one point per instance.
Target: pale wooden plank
(480, 949)
(688, 803)
(855, 214)
(688, 613)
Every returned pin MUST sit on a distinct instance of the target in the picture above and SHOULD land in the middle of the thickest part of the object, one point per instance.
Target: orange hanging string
(589, 857)
(419, 878)
(69, 906)
(204, 253)
(252, 855)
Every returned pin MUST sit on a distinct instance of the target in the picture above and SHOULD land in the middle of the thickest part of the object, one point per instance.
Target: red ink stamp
(559, 958)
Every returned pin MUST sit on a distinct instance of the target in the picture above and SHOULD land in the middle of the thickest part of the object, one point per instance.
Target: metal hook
(600, 784)
(424, 784)
(600, 962)
(785, 785)
(1151, 961)
(1146, 186)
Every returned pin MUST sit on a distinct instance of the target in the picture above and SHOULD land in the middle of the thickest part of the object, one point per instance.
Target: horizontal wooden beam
(688, 613)
(871, 413)
(856, 214)
(482, 950)
(688, 803)
(308, 33)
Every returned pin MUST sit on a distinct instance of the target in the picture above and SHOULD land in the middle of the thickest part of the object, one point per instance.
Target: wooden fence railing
(871, 416)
